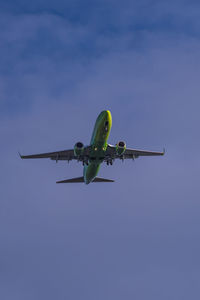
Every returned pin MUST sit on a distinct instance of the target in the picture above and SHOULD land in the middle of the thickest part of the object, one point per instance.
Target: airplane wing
(131, 153)
(60, 155)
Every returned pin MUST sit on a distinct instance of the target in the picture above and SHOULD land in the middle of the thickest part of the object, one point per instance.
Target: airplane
(96, 153)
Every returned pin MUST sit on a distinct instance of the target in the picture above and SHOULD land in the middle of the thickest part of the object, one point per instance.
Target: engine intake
(120, 148)
(78, 149)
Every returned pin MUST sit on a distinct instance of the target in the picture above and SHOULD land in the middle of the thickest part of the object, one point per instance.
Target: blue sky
(61, 64)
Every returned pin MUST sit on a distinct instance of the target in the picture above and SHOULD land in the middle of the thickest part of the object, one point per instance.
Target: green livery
(96, 153)
(98, 145)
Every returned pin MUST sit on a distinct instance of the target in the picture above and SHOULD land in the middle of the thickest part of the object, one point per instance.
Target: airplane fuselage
(98, 144)
(96, 153)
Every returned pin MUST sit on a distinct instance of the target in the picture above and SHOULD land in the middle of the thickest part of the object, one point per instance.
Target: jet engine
(78, 149)
(120, 148)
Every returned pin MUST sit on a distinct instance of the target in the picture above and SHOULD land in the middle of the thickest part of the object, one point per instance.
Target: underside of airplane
(96, 153)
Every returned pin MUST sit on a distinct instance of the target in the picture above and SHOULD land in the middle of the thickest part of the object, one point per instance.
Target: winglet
(20, 155)
(163, 151)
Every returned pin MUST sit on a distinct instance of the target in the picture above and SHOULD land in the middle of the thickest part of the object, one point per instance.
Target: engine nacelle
(120, 148)
(78, 149)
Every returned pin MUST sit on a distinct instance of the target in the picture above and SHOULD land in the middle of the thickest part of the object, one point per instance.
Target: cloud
(99, 241)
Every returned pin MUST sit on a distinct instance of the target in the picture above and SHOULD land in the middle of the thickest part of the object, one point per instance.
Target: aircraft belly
(90, 172)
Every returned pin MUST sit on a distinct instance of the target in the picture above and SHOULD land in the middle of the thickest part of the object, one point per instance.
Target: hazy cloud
(59, 68)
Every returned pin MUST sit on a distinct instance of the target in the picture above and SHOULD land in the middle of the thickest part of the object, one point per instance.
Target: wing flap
(58, 155)
(52, 155)
(134, 152)
(131, 153)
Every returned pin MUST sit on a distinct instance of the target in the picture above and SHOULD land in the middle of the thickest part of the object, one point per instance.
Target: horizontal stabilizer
(81, 179)
(72, 180)
(99, 179)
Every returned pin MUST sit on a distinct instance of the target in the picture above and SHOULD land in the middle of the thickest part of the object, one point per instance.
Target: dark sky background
(61, 63)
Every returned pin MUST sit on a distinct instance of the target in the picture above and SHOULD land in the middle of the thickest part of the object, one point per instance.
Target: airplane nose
(107, 113)
(109, 116)
(104, 113)
(106, 116)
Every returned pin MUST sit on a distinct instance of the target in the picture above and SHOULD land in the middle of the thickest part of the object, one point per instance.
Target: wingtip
(163, 151)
